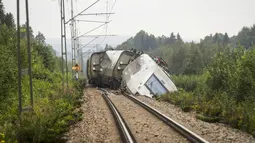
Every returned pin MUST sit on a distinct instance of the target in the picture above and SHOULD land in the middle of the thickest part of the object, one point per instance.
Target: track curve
(125, 133)
(124, 130)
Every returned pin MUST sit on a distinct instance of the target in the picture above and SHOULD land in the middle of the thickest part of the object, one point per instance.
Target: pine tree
(172, 39)
(226, 39)
(2, 15)
(9, 20)
(40, 38)
(179, 39)
(216, 38)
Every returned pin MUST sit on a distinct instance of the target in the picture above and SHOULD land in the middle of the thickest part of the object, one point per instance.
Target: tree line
(188, 57)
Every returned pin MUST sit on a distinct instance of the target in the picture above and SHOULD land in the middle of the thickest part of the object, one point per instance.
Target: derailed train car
(105, 68)
(139, 74)
(144, 76)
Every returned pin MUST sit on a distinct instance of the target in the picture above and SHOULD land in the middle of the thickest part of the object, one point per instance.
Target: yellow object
(76, 67)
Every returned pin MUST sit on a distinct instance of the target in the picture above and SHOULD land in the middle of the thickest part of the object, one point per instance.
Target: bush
(224, 93)
(189, 83)
(2, 138)
(53, 113)
(181, 98)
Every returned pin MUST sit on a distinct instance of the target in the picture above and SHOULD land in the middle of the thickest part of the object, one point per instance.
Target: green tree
(45, 52)
(40, 38)
(216, 38)
(9, 20)
(7, 63)
(179, 39)
(2, 15)
(226, 39)
(172, 39)
(193, 63)
(244, 37)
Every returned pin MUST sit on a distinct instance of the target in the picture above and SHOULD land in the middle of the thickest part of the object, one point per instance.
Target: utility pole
(22, 72)
(63, 45)
(29, 57)
(81, 60)
(19, 60)
(73, 40)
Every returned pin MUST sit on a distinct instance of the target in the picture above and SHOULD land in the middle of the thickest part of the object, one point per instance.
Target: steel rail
(125, 133)
(191, 136)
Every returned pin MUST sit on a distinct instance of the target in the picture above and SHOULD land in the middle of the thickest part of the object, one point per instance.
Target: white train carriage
(145, 77)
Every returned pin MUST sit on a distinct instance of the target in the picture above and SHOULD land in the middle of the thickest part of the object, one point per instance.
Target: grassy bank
(52, 115)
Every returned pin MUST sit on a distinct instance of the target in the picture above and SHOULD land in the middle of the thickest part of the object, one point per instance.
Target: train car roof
(114, 56)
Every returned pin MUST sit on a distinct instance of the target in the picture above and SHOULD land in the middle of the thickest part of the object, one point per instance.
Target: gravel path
(212, 132)
(97, 125)
(144, 126)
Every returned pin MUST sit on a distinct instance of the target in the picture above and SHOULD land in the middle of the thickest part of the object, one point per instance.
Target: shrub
(224, 93)
(181, 98)
(189, 83)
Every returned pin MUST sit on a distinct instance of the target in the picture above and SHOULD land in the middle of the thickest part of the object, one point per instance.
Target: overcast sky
(193, 19)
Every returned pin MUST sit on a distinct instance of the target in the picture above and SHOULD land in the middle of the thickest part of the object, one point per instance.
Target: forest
(215, 77)
(54, 106)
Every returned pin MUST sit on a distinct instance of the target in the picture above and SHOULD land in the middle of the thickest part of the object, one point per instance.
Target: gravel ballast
(144, 126)
(97, 125)
(212, 132)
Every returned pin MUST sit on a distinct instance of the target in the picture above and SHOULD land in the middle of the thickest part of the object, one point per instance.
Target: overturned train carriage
(104, 69)
(145, 77)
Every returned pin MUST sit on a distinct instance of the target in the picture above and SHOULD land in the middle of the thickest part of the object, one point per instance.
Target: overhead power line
(87, 36)
(102, 13)
(92, 30)
(92, 21)
(82, 11)
(88, 43)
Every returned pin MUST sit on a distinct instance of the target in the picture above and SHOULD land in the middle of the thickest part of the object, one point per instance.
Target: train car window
(155, 86)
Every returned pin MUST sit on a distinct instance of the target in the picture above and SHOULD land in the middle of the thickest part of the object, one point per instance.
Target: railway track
(125, 132)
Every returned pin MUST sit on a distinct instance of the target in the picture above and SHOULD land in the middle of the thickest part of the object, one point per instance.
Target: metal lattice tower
(63, 45)
(73, 35)
(22, 72)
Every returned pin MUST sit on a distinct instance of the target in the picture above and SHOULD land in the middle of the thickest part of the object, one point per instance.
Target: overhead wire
(107, 19)
(106, 22)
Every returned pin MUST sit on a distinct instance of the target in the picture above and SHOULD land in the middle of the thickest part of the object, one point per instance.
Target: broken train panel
(145, 77)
